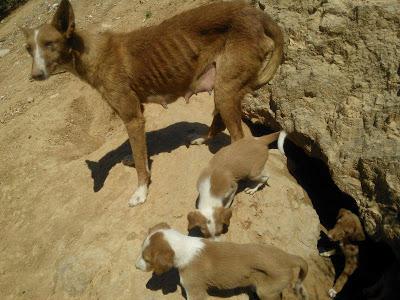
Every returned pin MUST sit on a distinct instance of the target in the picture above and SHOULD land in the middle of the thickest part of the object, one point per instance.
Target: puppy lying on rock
(204, 263)
(218, 182)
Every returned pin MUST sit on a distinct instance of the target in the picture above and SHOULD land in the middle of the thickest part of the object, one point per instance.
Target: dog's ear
(163, 258)
(226, 216)
(194, 218)
(342, 212)
(64, 20)
(223, 215)
(358, 233)
(159, 226)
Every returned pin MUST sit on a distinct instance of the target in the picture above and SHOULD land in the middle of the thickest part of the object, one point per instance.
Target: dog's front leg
(137, 139)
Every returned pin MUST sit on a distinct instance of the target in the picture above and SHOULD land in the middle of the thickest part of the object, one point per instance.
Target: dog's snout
(38, 74)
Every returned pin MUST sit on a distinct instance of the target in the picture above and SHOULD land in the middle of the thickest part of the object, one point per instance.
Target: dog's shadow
(168, 282)
(158, 141)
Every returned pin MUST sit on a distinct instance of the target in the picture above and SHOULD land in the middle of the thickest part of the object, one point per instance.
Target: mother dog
(221, 46)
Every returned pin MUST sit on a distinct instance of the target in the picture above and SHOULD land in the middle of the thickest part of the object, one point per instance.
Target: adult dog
(221, 46)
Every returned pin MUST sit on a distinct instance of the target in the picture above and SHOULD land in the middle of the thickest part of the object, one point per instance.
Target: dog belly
(205, 83)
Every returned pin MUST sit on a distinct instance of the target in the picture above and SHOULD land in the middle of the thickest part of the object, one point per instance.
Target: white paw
(198, 141)
(250, 191)
(139, 196)
(328, 253)
(332, 293)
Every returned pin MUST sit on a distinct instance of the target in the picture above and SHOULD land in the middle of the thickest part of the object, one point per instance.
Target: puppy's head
(348, 226)
(49, 44)
(156, 255)
(211, 223)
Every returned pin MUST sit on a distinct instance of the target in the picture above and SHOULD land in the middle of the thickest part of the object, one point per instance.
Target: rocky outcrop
(337, 92)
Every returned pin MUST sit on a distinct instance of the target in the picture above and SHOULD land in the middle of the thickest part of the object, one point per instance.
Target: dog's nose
(38, 74)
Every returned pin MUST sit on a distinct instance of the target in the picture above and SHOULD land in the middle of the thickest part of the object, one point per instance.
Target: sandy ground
(66, 229)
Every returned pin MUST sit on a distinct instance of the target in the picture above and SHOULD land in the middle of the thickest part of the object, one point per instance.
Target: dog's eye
(28, 48)
(49, 45)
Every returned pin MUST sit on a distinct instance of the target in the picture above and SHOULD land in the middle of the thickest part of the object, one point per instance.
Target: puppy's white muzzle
(141, 264)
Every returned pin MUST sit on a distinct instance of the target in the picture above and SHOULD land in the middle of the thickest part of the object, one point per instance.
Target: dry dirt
(66, 229)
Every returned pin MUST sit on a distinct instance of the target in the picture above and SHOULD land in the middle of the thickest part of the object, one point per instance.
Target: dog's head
(50, 44)
(347, 227)
(211, 223)
(156, 255)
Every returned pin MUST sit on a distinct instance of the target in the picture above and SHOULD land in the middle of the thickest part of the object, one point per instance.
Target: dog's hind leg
(260, 177)
(235, 71)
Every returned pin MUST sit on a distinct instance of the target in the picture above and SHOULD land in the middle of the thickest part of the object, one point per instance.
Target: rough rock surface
(338, 92)
(66, 229)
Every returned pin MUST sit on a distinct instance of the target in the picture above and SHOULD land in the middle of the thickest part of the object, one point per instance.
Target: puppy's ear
(159, 226)
(358, 234)
(64, 19)
(194, 218)
(342, 212)
(223, 215)
(163, 260)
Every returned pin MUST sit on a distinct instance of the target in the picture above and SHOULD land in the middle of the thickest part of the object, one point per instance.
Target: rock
(338, 97)
(4, 52)
(282, 214)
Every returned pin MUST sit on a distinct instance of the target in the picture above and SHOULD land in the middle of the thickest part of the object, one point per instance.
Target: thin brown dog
(222, 46)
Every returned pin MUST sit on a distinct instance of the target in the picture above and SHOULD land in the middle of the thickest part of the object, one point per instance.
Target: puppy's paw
(250, 191)
(198, 141)
(139, 196)
(332, 293)
(328, 253)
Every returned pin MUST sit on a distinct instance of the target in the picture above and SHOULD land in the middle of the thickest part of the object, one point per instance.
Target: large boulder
(337, 92)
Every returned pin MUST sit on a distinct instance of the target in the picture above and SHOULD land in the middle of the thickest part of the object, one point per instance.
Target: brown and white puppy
(223, 46)
(218, 182)
(204, 263)
(347, 230)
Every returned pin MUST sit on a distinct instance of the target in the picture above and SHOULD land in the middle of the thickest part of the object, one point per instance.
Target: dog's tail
(270, 138)
(270, 66)
(299, 288)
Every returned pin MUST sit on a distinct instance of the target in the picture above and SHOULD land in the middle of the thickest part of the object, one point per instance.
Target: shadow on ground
(158, 141)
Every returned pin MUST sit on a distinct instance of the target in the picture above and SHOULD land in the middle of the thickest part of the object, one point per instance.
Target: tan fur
(229, 265)
(243, 159)
(347, 229)
(221, 46)
(160, 256)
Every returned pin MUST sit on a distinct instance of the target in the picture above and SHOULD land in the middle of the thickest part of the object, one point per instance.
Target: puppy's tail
(270, 138)
(269, 68)
(299, 288)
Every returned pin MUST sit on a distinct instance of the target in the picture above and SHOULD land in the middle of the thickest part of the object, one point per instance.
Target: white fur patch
(281, 140)
(332, 293)
(185, 247)
(140, 262)
(207, 202)
(139, 196)
(38, 54)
